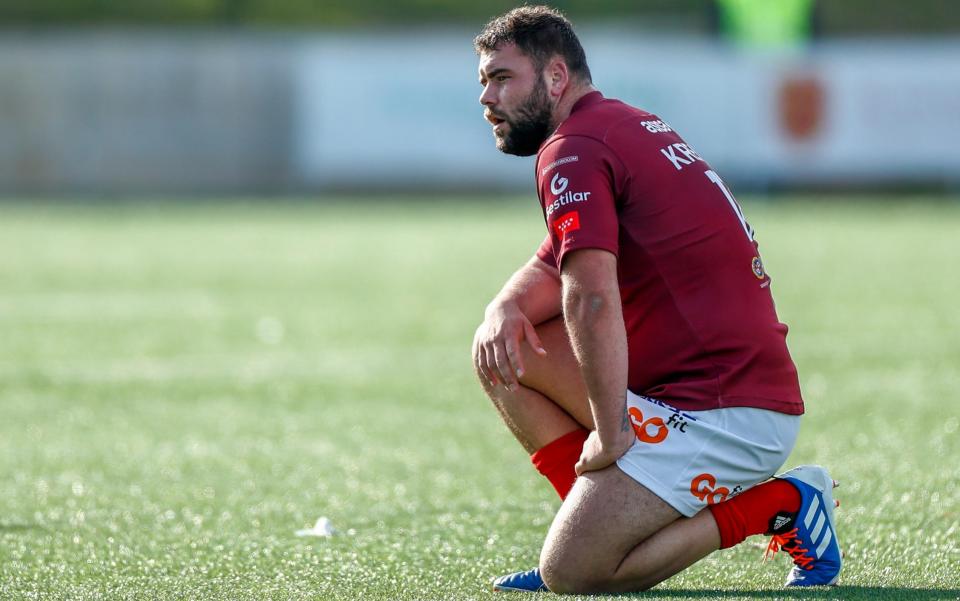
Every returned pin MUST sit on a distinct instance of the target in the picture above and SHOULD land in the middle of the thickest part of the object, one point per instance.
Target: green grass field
(184, 386)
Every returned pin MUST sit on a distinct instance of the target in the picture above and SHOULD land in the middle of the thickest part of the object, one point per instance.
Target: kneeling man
(637, 356)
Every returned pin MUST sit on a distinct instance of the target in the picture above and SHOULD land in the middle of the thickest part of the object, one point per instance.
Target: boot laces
(789, 542)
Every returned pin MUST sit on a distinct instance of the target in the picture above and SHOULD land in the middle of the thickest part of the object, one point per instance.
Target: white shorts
(692, 459)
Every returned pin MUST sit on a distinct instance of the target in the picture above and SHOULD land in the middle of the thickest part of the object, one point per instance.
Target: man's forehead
(505, 56)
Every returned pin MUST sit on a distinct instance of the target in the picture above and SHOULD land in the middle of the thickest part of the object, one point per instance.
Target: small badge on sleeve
(566, 223)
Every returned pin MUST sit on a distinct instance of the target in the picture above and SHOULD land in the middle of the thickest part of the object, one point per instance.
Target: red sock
(750, 512)
(556, 460)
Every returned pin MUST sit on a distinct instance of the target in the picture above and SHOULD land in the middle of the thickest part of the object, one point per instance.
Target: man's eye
(502, 78)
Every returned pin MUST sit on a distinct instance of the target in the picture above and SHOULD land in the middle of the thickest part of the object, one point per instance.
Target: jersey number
(712, 176)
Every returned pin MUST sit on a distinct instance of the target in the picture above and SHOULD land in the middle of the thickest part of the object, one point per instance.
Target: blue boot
(525, 582)
(809, 535)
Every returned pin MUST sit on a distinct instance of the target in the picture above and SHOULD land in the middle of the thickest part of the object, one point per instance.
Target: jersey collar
(584, 101)
(587, 100)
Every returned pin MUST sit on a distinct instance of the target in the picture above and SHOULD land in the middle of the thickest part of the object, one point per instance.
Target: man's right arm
(531, 296)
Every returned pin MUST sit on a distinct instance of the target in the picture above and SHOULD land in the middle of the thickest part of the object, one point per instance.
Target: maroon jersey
(702, 330)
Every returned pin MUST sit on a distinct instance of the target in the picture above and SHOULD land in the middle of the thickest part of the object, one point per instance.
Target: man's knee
(568, 577)
(567, 567)
(563, 573)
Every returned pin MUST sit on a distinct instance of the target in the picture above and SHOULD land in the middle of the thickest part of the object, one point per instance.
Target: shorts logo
(681, 418)
(652, 431)
(704, 487)
(757, 266)
(568, 222)
(677, 421)
(558, 184)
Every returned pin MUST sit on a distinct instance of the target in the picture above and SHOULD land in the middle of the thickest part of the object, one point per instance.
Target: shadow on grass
(833, 592)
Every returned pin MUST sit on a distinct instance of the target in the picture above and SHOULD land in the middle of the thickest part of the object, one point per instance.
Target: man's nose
(488, 98)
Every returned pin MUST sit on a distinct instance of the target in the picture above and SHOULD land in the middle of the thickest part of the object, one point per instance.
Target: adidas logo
(780, 522)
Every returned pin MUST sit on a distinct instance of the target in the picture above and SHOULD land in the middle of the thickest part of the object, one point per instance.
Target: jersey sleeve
(545, 252)
(575, 182)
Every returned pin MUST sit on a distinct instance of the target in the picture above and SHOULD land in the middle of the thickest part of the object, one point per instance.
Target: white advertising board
(402, 109)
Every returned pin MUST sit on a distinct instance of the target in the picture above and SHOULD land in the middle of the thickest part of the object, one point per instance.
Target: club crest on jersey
(568, 222)
(757, 266)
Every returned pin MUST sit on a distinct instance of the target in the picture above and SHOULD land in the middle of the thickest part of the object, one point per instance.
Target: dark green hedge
(334, 13)
(836, 17)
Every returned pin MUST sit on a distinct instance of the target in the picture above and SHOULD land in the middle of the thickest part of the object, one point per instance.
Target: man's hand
(596, 455)
(497, 344)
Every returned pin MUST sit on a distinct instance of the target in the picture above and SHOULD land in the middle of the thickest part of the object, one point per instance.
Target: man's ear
(557, 76)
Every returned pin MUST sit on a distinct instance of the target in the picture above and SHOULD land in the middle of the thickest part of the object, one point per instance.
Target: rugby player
(637, 356)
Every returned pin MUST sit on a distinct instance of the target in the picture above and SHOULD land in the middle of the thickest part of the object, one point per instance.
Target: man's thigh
(557, 374)
(606, 515)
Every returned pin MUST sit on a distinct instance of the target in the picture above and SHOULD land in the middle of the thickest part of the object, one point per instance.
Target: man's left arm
(594, 319)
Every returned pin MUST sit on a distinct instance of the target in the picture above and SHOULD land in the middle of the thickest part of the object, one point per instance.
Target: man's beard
(530, 126)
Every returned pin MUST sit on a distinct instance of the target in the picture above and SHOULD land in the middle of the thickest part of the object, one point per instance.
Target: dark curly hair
(541, 33)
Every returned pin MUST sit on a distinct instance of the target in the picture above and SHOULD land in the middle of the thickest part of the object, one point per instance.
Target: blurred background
(293, 97)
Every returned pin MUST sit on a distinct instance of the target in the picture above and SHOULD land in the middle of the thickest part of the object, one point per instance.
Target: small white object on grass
(323, 528)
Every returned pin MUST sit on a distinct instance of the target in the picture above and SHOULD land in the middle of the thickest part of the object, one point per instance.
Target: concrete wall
(145, 112)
